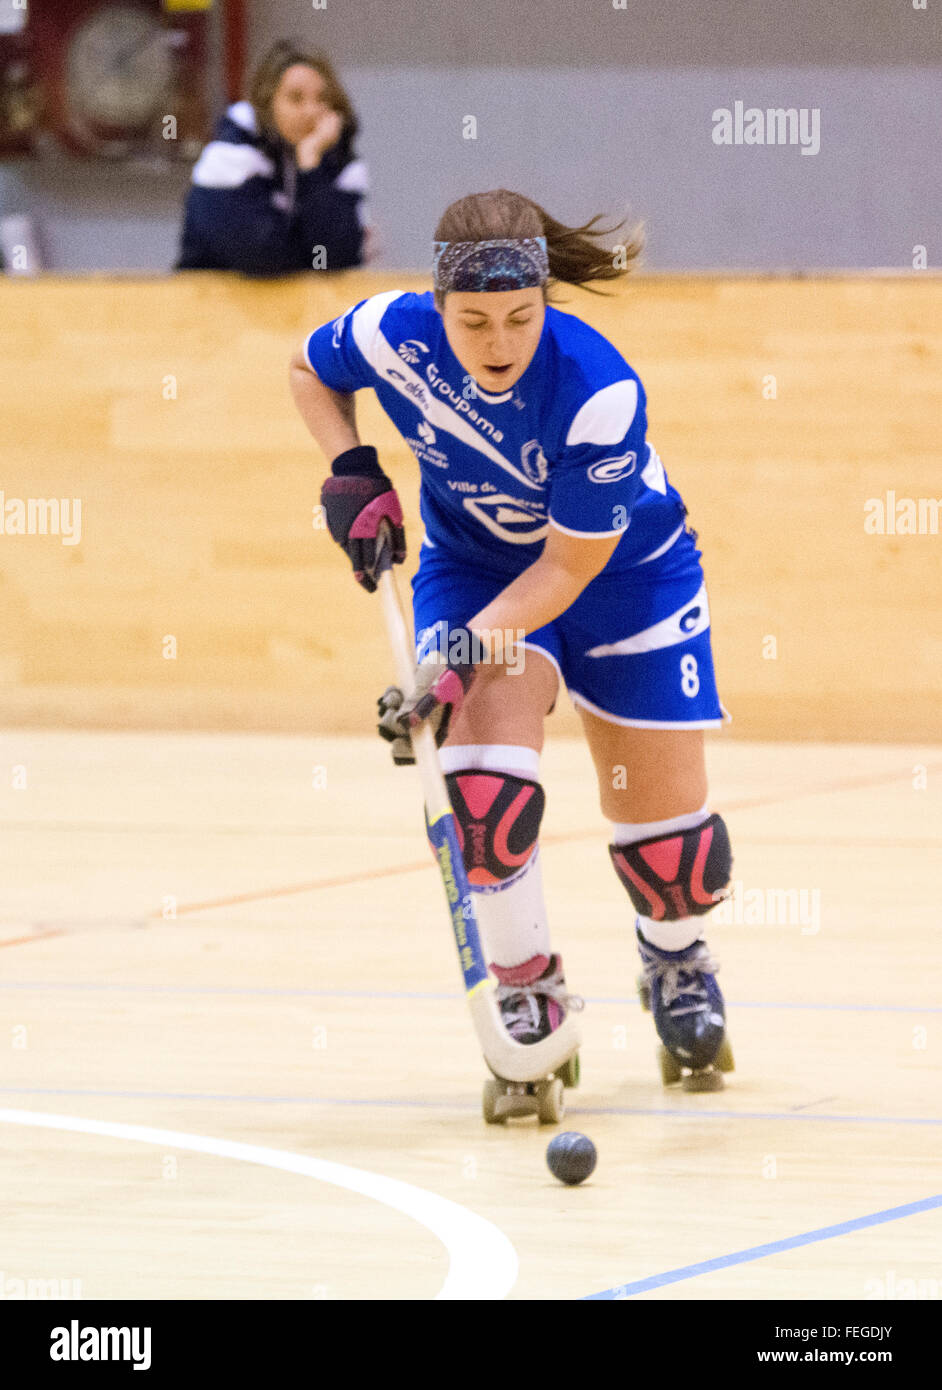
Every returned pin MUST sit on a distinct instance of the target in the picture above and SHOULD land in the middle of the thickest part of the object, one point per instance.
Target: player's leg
(646, 774)
(512, 698)
(645, 689)
(673, 858)
(491, 760)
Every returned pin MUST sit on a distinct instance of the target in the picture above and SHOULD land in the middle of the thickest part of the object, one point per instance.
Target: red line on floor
(364, 875)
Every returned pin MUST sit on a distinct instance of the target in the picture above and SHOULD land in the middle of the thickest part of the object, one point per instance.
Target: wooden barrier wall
(202, 595)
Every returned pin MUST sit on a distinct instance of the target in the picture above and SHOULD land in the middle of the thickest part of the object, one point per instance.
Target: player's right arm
(358, 497)
(329, 415)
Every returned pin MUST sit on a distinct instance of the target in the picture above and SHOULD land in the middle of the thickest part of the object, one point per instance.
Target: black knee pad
(498, 817)
(682, 874)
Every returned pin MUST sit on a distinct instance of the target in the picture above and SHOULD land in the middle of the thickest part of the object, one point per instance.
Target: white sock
(490, 757)
(512, 914)
(679, 934)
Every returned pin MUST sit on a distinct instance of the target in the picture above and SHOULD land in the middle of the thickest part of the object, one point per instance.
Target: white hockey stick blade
(520, 1061)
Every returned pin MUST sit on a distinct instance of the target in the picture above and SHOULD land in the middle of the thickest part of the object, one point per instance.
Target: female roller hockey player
(546, 513)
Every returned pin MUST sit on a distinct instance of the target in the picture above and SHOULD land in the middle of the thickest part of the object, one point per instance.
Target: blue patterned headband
(513, 263)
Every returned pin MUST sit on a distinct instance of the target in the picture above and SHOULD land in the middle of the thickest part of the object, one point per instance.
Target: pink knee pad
(681, 874)
(498, 816)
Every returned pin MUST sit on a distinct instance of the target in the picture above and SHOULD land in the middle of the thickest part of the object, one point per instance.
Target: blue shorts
(634, 648)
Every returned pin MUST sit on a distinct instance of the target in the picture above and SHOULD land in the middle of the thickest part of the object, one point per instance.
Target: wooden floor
(224, 967)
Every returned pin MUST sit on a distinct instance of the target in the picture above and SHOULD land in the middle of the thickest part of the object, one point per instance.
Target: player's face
(298, 102)
(494, 335)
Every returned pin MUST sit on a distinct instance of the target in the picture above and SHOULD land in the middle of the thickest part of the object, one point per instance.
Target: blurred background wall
(587, 108)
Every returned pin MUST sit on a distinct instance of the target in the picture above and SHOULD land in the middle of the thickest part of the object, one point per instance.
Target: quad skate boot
(532, 1006)
(680, 989)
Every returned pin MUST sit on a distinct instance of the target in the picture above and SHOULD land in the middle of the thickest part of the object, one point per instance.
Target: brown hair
(575, 257)
(272, 68)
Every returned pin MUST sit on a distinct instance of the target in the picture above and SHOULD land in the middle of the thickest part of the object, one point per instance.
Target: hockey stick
(507, 1058)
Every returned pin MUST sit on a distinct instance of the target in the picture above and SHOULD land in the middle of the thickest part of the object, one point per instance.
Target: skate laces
(681, 980)
(519, 1004)
(518, 1008)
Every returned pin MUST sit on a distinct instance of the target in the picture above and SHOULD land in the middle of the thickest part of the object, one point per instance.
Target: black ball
(571, 1157)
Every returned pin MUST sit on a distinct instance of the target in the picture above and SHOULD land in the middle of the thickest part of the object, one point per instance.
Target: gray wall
(592, 33)
(591, 109)
(641, 141)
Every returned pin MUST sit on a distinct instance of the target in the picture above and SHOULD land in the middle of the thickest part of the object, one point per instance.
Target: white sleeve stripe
(365, 324)
(222, 165)
(606, 417)
(590, 535)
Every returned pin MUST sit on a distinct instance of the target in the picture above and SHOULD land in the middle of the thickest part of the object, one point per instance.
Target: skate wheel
(570, 1071)
(707, 1080)
(493, 1090)
(671, 1070)
(552, 1104)
(724, 1058)
(644, 994)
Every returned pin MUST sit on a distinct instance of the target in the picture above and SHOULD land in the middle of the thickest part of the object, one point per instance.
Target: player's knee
(498, 816)
(681, 874)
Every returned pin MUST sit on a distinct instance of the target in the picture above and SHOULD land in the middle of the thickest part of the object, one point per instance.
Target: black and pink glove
(441, 683)
(357, 499)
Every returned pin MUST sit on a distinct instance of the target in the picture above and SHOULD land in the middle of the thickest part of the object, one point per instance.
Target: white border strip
(578, 699)
(663, 549)
(589, 535)
(483, 1262)
(535, 647)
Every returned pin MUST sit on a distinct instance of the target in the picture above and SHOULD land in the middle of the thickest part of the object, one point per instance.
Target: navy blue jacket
(251, 209)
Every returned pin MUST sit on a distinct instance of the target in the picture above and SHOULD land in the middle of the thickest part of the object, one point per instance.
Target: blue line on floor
(405, 1103)
(394, 994)
(759, 1252)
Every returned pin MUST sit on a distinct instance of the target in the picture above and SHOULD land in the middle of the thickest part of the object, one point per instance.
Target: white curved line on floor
(482, 1261)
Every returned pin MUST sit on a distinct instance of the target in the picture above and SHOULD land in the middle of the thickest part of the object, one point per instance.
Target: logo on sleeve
(611, 470)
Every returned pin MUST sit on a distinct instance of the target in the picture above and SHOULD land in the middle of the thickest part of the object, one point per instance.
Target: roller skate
(680, 988)
(532, 1008)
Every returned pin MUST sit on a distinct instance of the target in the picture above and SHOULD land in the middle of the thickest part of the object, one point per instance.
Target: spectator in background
(280, 179)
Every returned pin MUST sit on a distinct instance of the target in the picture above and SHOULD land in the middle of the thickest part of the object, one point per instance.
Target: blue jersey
(565, 446)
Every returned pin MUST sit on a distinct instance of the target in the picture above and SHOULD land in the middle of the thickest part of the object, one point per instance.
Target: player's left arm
(594, 484)
(551, 584)
(595, 480)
